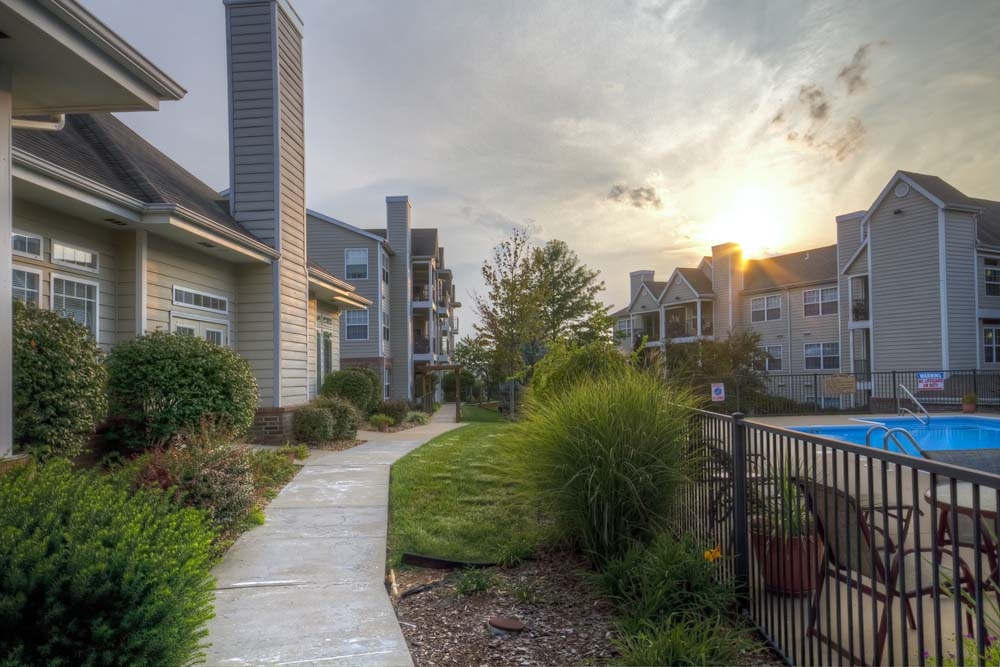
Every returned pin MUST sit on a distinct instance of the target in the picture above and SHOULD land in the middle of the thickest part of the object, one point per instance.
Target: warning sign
(718, 392)
(835, 385)
(930, 381)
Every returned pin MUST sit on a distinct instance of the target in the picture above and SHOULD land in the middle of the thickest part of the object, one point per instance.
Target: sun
(755, 216)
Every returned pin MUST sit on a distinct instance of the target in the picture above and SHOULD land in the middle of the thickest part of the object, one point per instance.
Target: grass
(455, 498)
(476, 414)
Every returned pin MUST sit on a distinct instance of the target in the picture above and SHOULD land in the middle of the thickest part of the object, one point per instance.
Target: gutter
(54, 123)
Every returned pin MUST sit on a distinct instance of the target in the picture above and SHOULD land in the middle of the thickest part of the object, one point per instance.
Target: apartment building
(401, 269)
(913, 283)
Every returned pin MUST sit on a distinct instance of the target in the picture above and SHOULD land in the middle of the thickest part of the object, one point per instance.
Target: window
(215, 336)
(356, 263)
(991, 340)
(387, 382)
(200, 300)
(184, 330)
(357, 324)
(822, 356)
(765, 308)
(819, 302)
(991, 275)
(773, 361)
(385, 319)
(623, 328)
(78, 258)
(385, 268)
(77, 300)
(324, 357)
(27, 245)
(27, 286)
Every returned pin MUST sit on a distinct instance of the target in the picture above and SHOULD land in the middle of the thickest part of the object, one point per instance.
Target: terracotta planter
(968, 408)
(789, 566)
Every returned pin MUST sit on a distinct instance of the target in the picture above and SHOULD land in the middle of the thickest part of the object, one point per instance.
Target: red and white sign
(718, 392)
(930, 381)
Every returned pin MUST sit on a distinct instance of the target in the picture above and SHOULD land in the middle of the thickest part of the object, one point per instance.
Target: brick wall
(272, 426)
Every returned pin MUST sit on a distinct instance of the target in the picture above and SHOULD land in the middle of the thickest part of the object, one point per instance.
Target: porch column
(6, 287)
(663, 323)
(698, 319)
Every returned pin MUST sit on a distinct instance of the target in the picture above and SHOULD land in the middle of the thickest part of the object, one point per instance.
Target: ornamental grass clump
(96, 575)
(606, 456)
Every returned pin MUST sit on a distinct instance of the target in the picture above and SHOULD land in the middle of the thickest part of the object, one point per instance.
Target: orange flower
(713, 554)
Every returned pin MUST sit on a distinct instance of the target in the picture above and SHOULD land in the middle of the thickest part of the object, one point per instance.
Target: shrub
(687, 642)
(211, 476)
(59, 383)
(313, 424)
(417, 417)
(379, 420)
(667, 577)
(395, 409)
(271, 470)
(376, 383)
(300, 452)
(161, 385)
(353, 385)
(472, 581)
(563, 367)
(606, 456)
(346, 418)
(96, 576)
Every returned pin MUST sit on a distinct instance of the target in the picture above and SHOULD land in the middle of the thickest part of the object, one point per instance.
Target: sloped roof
(698, 280)
(807, 266)
(989, 218)
(939, 188)
(102, 148)
(619, 313)
(989, 221)
(655, 286)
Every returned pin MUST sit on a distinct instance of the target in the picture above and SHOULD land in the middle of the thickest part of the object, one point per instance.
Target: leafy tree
(570, 310)
(739, 361)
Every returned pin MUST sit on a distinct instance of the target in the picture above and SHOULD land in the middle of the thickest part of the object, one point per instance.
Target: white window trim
(368, 325)
(765, 308)
(41, 244)
(820, 302)
(222, 334)
(996, 342)
(173, 299)
(37, 272)
(177, 330)
(840, 355)
(987, 283)
(346, 273)
(781, 357)
(77, 279)
(76, 267)
(174, 314)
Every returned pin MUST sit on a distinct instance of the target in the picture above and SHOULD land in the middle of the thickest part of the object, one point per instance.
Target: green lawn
(474, 413)
(454, 498)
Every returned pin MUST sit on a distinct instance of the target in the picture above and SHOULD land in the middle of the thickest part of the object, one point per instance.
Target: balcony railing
(859, 310)
(421, 346)
(422, 293)
(688, 329)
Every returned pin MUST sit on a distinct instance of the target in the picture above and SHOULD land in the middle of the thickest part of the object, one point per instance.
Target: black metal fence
(846, 554)
(806, 393)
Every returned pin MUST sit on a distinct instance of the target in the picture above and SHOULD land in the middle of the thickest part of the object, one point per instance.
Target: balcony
(860, 303)
(422, 345)
(680, 330)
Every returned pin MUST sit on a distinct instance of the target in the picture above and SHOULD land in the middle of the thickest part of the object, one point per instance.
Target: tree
(475, 355)
(570, 310)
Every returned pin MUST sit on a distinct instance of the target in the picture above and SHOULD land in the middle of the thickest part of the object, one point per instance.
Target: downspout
(788, 300)
(54, 123)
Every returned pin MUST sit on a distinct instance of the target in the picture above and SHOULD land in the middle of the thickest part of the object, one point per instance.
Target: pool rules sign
(718, 392)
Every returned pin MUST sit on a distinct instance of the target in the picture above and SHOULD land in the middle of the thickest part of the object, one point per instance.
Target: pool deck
(845, 419)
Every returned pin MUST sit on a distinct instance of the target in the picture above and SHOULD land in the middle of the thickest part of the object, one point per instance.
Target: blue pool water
(943, 433)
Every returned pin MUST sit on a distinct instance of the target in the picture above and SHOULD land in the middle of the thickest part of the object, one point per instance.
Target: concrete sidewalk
(307, 587)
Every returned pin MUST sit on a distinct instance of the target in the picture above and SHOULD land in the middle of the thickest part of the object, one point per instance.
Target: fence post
(741, 541)
(895, 391)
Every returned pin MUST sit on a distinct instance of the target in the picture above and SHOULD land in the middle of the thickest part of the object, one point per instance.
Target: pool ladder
(891, 435)
(906, 411)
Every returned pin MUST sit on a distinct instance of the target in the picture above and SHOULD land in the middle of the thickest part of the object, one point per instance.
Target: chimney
(267, 191)
(637, 278)
(397, 229)
(727, 283)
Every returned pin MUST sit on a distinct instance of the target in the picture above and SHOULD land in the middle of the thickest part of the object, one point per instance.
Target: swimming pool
(942, 433)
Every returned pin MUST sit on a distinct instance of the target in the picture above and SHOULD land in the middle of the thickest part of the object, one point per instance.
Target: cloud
(839, 145)
(853, 74)
(814, 98)
(641, 197)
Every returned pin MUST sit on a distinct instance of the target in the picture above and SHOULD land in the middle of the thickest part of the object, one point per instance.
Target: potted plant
(969, 403)
(783, 535)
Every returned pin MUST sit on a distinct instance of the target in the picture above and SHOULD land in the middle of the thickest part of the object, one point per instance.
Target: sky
(641, 132)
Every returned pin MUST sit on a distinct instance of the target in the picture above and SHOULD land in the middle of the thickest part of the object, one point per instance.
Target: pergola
(458, 384)
(57, 58)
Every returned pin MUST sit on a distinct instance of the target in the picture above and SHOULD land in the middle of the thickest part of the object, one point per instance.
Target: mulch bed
(338, 445)
(567, 622)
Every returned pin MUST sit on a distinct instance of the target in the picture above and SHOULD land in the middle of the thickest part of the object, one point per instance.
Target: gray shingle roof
(989, 218)
(807, 266)
(423, 240)
(698, 280)
(104, 149)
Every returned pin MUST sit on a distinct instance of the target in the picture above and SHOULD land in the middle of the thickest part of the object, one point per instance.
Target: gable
(859, 264)
(643, 302)
(677, 290)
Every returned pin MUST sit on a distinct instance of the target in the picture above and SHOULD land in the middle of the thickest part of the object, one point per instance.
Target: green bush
(375, 378)
(300, 452)
(271, 470)
(162, 385)
(448, 385)
(346, 418)
(395, 409)
(95, 576)
(563, 367)
(668, 576)
(606, 457)
(379, 420)
(313, 424)
(59, 383)
(214, 477)
(353, 385)
(417, 417)
(686, 641)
